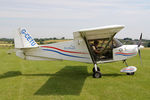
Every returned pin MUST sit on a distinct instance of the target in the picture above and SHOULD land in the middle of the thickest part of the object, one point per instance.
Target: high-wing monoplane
(80, 48)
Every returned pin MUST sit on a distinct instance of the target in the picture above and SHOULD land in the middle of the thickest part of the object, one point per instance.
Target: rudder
(24, 40)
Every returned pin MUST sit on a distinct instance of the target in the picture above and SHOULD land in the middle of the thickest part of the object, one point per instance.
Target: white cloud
(74, 14)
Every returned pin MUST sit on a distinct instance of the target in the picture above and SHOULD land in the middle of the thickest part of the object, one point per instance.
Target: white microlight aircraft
(80, 49)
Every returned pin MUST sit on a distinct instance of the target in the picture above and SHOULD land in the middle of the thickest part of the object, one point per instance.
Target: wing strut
(96, 69)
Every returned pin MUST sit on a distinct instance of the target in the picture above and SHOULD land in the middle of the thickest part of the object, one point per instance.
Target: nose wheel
(130, 73)
(96, 72)
(129, 70)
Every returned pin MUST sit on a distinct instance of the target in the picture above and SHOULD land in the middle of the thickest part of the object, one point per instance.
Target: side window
(116, 43)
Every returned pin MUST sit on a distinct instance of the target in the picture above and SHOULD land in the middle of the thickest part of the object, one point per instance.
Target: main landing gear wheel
(97, 74)
(130, 73)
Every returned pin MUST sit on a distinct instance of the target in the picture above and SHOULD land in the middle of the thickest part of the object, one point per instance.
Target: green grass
(67, 80)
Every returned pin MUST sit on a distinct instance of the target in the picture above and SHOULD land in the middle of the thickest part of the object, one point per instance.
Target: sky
(60, 18)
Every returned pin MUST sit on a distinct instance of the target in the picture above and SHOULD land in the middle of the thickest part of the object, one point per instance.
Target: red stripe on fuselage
(124, 53)
(63, 50)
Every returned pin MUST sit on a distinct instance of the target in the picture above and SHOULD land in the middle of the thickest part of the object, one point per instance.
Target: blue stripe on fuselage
(64, 54)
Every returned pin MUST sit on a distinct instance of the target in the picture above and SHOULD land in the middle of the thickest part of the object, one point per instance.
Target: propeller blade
(140, 40)
(139, 43)
(140, 56)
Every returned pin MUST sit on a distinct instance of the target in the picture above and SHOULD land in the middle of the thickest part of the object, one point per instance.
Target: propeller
(140, 40)
(139, 43)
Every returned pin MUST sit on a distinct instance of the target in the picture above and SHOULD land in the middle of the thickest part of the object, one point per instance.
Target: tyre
(97, 75)
(130, 73)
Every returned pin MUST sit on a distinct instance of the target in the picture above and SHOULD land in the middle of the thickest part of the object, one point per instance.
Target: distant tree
(54, 38)
(6, 40)
(62, 38)
(127, 39)
(41, 42)
(13, 42)
(50, 38)
(136, 40)
(51, 42)
(9, 41)
(36, 40)
(148, 45)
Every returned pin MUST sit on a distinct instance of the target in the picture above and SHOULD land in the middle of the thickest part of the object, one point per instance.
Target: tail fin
(24, 40)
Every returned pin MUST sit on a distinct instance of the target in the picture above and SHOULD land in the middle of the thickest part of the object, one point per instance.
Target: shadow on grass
(10, 74)
(113, 75)
(68, 81)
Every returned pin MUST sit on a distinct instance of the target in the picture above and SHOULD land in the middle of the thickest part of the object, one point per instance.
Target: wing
(99, 32)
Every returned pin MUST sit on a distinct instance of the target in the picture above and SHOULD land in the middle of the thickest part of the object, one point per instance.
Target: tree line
(145, 42)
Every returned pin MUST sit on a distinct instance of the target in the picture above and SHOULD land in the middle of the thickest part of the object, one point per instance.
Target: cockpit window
(117, 43)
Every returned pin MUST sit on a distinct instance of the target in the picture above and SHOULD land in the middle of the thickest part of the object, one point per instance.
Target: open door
(104, 48)
(104, 35)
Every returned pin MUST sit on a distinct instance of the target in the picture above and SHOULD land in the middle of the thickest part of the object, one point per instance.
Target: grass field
(67, 80)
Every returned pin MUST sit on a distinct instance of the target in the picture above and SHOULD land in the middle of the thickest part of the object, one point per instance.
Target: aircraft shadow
(67, 81)
(10, 74)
